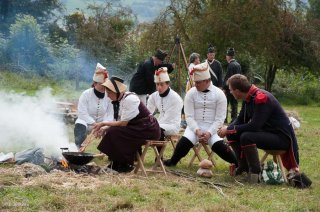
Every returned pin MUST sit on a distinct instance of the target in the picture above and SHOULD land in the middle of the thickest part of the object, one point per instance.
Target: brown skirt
(122, 143)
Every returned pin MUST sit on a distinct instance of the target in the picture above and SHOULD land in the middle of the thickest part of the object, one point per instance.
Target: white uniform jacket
(170, 108)
(91, 109)
(205, 111)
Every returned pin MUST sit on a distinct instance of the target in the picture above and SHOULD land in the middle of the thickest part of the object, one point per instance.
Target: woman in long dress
(133, 125)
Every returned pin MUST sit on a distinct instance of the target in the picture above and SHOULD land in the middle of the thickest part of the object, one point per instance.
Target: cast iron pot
(79, 158)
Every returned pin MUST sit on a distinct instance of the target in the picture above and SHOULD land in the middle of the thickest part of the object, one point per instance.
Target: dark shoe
(240, 170)
(125, 168)
(113, 165)
(168, 163)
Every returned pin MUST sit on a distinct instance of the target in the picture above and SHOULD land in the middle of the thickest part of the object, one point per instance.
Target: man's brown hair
(240, 82)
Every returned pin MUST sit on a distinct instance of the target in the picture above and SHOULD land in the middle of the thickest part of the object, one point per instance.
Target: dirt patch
(32, 175)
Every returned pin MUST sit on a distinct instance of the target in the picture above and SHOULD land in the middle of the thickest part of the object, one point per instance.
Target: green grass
(29, 84)
(159, 193)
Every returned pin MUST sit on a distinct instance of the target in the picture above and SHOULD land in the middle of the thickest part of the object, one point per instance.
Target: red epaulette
(260, 98)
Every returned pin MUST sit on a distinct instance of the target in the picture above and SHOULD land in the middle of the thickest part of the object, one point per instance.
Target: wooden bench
(158, 162)
(173, 140)
(196, 148)
(277, 159)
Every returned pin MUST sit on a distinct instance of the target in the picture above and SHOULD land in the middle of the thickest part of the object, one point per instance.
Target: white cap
(200, 72)
(100, 74)
(161, 75)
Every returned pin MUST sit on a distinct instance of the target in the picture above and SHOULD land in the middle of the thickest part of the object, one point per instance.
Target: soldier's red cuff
(232, 131)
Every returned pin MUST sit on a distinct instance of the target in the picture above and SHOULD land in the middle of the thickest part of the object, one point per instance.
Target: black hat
(211, 49)
(231, 52)
(160, 54)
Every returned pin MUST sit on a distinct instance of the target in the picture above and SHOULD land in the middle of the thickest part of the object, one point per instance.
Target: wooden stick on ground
(192, 178)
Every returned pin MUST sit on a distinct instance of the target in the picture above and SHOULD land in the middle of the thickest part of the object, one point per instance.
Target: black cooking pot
(78, 158)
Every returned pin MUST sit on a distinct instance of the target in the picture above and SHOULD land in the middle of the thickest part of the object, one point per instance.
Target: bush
(297, 88)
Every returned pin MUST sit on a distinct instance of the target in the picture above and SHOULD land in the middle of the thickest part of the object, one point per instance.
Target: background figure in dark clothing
(142, 82)
(232, 69)
(215, 67)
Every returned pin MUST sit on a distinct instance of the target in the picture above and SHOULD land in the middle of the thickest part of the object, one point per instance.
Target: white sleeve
(189, 110)
(109, 116)
(130, 107)
(83, 109)
(151, 105)
(221, 111)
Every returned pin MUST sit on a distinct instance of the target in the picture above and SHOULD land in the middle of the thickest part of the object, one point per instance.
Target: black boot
(182, 149)
(252, 156)
(242, 165)
(224, 152)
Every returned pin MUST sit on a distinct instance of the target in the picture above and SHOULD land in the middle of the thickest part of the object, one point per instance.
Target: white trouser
(194, 139)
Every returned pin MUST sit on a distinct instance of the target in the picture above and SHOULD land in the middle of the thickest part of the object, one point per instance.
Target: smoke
(31, 121)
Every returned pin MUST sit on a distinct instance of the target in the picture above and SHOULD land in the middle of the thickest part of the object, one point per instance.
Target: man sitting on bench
(205, 107)
(262, 123)
(167, 102)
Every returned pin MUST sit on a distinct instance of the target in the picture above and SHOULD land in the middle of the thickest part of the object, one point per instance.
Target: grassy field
(63, 191)
(29, 84)
(107, 192)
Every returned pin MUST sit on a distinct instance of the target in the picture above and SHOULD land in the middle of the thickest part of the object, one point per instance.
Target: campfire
(79, 162)
(64, 164)
(90, 168)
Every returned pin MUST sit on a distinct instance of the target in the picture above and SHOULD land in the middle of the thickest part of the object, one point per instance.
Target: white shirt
(205, 111)
(91, 109)
(129, 107)
(170, 108)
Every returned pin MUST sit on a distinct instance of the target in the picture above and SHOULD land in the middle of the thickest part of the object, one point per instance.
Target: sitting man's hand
(222, 132)
(205, 137)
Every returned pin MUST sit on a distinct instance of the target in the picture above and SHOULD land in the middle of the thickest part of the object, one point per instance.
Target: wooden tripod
(179, 50)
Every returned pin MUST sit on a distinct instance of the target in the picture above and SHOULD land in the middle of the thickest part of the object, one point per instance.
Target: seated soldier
(205, 109)
(262, 123)
(94, 106)
(167, 102)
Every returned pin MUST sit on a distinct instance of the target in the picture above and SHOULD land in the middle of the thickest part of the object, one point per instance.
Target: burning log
(64, 164)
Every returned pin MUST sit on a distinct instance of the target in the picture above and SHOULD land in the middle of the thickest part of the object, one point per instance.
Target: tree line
(268, 35)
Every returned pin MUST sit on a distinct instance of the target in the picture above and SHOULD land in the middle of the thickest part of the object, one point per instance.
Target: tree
(314, 9)
(42, 10)
(103, 34)
(271, 34)
(27, 46)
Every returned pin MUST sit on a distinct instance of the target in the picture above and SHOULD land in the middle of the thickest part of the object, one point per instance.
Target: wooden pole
(186, 65)
(179, 70)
